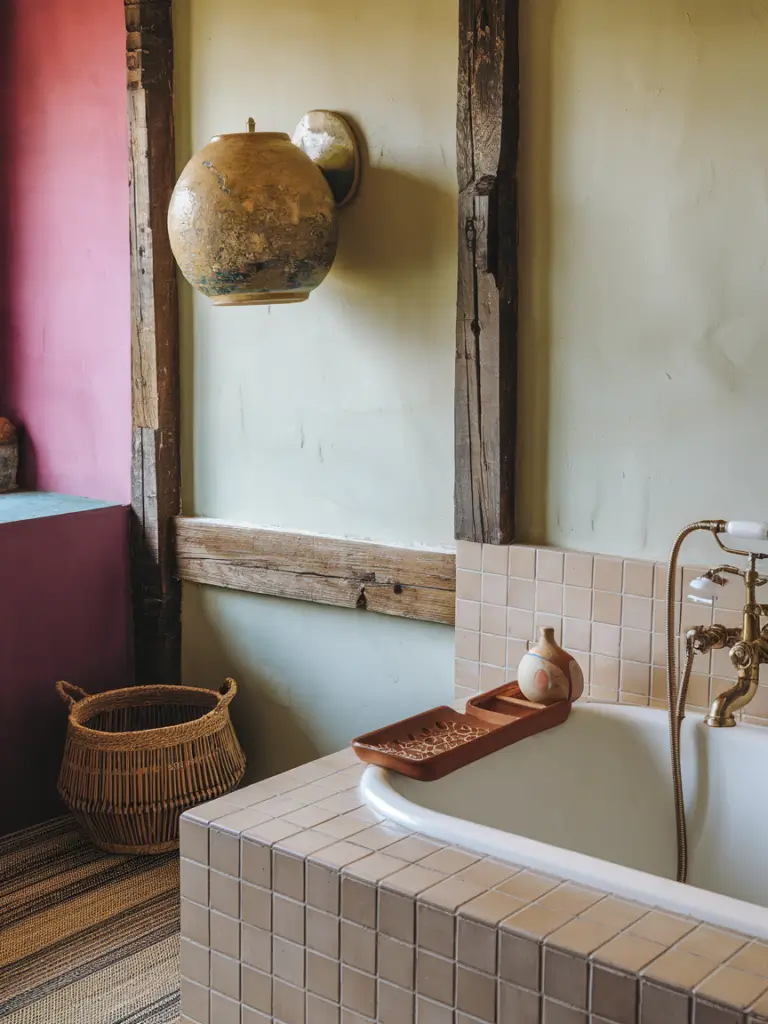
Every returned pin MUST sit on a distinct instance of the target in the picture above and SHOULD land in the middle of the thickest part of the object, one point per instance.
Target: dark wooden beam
(156, 473)
(486, 334)
(410, 582)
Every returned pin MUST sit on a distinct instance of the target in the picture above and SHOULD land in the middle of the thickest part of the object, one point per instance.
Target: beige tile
(450, 893)
(606, 607)
(358, 901)
(375, 867)
(323, 886)
(224, 893)
(468, 615)
(358, 947)
(638, 578)
(467, 644)
(340, 803)
(413, 848)
(256, 861)
(522, 562)
(225, 934)
(476, 994)
(709, 1013)
(536, 921)
(516, 650)
(194, 881)
(322, 932)
(517, 1005)
(462, 695)
(487, 873)
(679, 969)
(358, 991)
(605, 639)
(549, 565)
(608, 574)
(559, 1013)
(345, 826)
(549, 598)
(379, 837)
(395, 1005)
(493, 650)
(308, 817)
(239, 821)
(469, 555)
(494, 589)
(435, 930)
(638, 613)
(272, 831)
(521, 594)
(495, 558)
(225, 1010)
(288, 875)
(635, 678)
(659, 1005)
(255, 947)
(494, 619)
(615, 911)
(434, 977)
(752, 958)
(714, 943)
(528, 885)
(571, 898)
(397, 961)
(288, 961)
(519, 624)
(195, 1001)
(614, 995)
(288, 1003)
(428, 1012)
(636, 645)
(476, 945)
(449, 860)
(256, 906)
(732, 987)
(520, 960)
(340, 854)
(397, 916)
(195, 962)
(760, 1009)
(212, 810)
(639, 700)
(605, 672)
(577, 603)
(581, 936)
(664, 928)
(629, 952)
(287, 919)
(492, 676)
(491, 907)
(578, 569)
(225, 975)
(193, 840)
(469, 585)
(566, 978)
(323, 976)
(194, 922)
(577, 634)
(413, 880)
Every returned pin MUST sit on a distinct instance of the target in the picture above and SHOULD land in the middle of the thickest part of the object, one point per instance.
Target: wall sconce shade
(252, 221)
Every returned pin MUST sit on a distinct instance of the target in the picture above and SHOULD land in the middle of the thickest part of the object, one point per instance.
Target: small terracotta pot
(252, 221)
(547, 673)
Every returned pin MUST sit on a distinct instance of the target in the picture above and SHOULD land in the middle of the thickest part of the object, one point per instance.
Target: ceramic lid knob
(548, 674)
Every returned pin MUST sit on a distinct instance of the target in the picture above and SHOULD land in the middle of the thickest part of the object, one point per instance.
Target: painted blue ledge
(19, 505)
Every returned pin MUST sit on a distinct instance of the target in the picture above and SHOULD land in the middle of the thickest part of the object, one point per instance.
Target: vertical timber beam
(156, 467)
(486, 329)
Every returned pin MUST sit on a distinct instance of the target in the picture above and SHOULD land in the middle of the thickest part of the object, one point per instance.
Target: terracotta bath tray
(440, 741)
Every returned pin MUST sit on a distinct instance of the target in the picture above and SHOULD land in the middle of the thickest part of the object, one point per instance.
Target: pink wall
(66, 363)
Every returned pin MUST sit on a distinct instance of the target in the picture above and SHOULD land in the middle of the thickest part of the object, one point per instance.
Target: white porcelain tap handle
(747, 529)
(704, 587)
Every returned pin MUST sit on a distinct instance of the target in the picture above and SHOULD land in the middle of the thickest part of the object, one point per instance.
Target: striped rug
(85, 937)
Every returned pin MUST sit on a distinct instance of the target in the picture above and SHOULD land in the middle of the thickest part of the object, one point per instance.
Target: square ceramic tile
(605, 672)
(193, 840)
(375, 867)
(517, 1005)
(494, 619)
(358, 991)
(605, 639)
(679, 969)
(714, 943)
(476, 994)
(752, 958)
(487, 873)
(194, 881)
(469, 585)
(255, 947)
(614, 995)
(194, 922)
(195, 962)
(225, 975)
(521, 594)
(435, 930)
(476, 945)
(467, 644)
(528, 885)
(608, 574)
(195, 1001)
(495, 558)
(224, 893)
(635, 678)
(571, 898)
(450, 893)
(468, 614)
(516, 650)
(379, 837)
(224, 1010)
(638, 579)
(732, 987)
(396, 961)
(491, 907)
(494, 589)
(493, 650)
(535, 921)
(288, 875)
(629, 952)
(637, 613)
(256, 906)
(636, 646)
(467, 675)
(549, 566)
(435, 977)
(578, 569)
(358, 902)
(358, 947)
(287, 919)
(519, 624)
(340, 854)
(549, 598)
(256, 861)
(662, 1004)
(323, 932)
(522, 562)
(323, 976)
(449, 860)
(413, 848)
(288, 961)
(566, 978)
(397, 915)
(319, 1011)
(395, 1005)
(577, 603)
(428, 1012)
(225, 934)
(520, 960)
(469, 555)
(322, 887)
(577, 635)
(288, 1003)
(606, 607)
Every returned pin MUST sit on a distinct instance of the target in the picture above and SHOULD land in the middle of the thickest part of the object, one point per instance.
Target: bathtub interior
(600, 785)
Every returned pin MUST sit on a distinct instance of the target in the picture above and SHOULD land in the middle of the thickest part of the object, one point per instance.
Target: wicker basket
(136, 758)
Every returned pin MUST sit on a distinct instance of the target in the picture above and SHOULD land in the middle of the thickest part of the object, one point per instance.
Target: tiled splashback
(608, 612)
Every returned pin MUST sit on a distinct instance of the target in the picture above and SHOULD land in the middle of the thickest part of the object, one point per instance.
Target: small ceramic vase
(548, 674)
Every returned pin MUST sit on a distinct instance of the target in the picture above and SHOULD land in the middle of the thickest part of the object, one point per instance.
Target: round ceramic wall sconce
(252, 219)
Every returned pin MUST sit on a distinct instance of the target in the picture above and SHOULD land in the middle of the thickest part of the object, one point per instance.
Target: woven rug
(85, 937)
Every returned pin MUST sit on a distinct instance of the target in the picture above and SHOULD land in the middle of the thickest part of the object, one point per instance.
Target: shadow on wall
(270, 732)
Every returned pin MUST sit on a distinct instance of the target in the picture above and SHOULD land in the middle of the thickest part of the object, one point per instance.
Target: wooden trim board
(156, 461)
(409, 582)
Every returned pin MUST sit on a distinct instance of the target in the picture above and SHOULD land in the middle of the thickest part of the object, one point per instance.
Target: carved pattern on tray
(432, 740)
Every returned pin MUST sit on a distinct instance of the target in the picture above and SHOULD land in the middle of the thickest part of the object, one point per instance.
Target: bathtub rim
(658, 893)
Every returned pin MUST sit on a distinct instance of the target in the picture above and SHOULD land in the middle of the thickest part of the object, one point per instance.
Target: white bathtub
(591, 800)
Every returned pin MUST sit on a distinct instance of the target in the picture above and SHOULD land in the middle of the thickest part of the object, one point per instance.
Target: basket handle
(227, 692)
(70, 693)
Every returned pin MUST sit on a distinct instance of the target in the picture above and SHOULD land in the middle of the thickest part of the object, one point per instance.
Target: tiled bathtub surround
(608, 612)
(299, 906)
